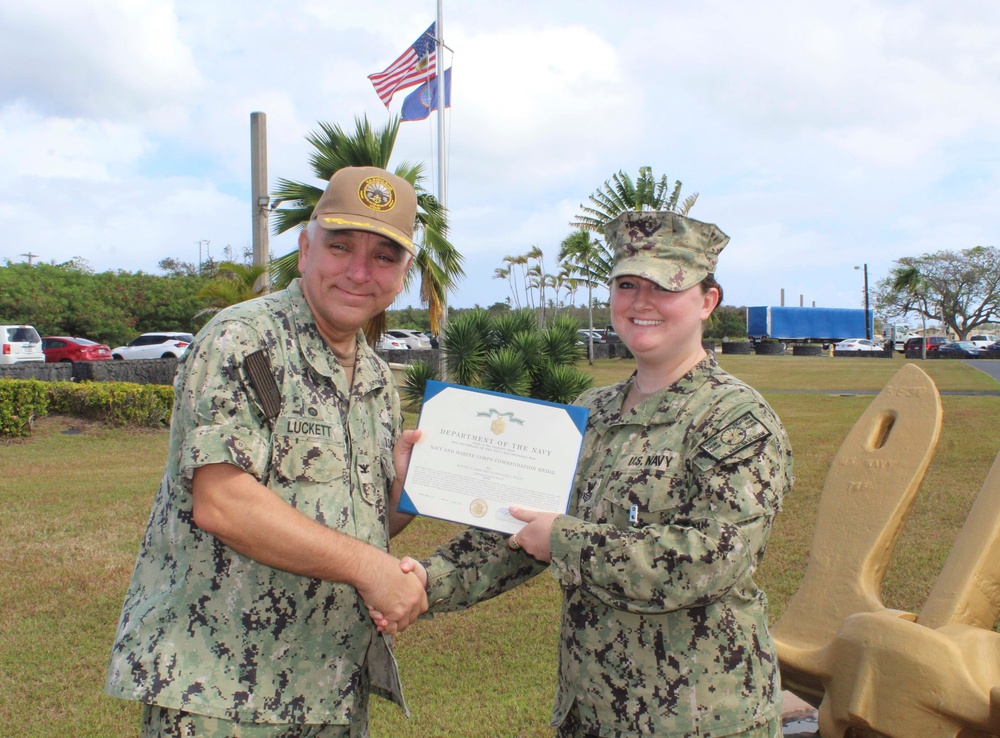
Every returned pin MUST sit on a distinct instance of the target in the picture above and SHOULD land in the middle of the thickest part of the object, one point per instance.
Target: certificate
(481, 452)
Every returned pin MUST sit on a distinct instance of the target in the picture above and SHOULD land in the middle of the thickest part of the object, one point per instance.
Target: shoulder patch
(739, 434)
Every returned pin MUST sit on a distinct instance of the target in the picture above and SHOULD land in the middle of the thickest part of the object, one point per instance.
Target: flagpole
(442, 93)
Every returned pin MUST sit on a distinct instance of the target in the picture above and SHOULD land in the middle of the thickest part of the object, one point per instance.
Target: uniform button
(240, 445)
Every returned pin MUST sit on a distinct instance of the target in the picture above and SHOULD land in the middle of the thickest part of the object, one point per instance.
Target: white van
(20, 343)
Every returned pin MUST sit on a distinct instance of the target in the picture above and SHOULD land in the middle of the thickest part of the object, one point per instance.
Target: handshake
(401, 599)
(401, 595)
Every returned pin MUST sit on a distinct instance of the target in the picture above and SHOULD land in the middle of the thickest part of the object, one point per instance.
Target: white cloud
(96, 58)
(32, 145)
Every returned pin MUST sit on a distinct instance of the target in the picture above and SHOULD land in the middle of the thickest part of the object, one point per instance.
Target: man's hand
(396, 596)
(383, 622)
(243, 514)
(534, 537)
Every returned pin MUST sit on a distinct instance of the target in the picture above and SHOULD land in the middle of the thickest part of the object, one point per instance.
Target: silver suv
(19, 343)
(154, 346)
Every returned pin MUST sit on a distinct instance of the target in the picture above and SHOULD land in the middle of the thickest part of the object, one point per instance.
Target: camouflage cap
(369, 199)
(673, 251)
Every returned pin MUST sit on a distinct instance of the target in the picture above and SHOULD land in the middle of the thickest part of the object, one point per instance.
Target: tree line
(107, 307)
(957, 289)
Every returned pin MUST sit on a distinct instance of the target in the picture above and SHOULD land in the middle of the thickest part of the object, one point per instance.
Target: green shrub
(507, 352)
(411, 389)
(21, 401)
(115, 403)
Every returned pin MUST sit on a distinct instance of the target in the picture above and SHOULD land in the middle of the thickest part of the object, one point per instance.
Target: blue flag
(419, 103)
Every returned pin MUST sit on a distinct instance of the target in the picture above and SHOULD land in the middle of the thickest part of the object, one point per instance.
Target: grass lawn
(73, 506)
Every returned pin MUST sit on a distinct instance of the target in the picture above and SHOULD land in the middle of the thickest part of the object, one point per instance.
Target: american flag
(414, 66)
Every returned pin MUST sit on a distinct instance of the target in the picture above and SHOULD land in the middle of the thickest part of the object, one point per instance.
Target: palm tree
(555, 282)
(566, 281)
(645, 193)
(537, 273)
(909, 282)
(590, 258)
(438, 263)
(521, 260)
(511, 274)
(505, 274)
(233, 283)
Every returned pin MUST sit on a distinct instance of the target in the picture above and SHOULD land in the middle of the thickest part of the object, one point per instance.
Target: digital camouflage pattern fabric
(207, 630)
(673, 251)
(664, 631)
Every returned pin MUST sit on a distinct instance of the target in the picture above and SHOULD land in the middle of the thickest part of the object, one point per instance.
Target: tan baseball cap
(673, 251)
(369, 199)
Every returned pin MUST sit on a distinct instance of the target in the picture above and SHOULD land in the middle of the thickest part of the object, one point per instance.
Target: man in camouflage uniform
(246, 614)
(664, 631)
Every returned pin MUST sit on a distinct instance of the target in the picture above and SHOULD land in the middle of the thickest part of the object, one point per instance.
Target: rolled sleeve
(240, 446)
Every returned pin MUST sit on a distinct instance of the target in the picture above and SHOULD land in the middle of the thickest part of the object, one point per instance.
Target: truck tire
(807, 349)
(769, 349)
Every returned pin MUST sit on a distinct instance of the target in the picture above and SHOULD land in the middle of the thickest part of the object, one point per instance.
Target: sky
(819, 136)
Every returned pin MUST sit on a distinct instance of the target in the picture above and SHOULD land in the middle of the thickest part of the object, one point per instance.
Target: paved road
(987, 367)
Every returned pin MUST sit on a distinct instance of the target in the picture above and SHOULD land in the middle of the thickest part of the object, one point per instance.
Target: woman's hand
(534, 537)
(403, 450)
(384, 625)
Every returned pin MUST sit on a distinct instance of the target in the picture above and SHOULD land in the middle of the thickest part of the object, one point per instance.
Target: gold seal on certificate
(482, 452)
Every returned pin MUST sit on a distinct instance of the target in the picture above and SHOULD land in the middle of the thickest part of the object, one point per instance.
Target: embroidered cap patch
(377, 194)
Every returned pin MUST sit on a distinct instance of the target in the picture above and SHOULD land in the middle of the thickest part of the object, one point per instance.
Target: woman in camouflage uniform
(683, 468)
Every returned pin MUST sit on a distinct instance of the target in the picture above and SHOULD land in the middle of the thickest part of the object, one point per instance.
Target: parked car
(584, 332)
(391, 343)
(64, 348)
(20, 343)
(412, 339)
(995, 347)
(857, 344)
(913, 344)
(164, 345)
(983, 340)
(960, 349)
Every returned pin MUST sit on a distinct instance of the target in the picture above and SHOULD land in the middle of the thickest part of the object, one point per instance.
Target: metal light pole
(260, 200)
(868, 324)
(200, 260)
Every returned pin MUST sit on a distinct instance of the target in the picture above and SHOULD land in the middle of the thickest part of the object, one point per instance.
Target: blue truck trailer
(797, 324)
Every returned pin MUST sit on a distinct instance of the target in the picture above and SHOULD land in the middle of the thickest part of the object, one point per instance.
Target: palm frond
(414, 383)
(284, 269)
(562, 384)
(504, 370)
(465, 346)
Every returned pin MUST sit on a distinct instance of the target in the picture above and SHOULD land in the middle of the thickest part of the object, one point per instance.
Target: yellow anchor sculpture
(874, 671)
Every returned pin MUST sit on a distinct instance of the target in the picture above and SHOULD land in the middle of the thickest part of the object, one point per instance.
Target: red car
(64, 348)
